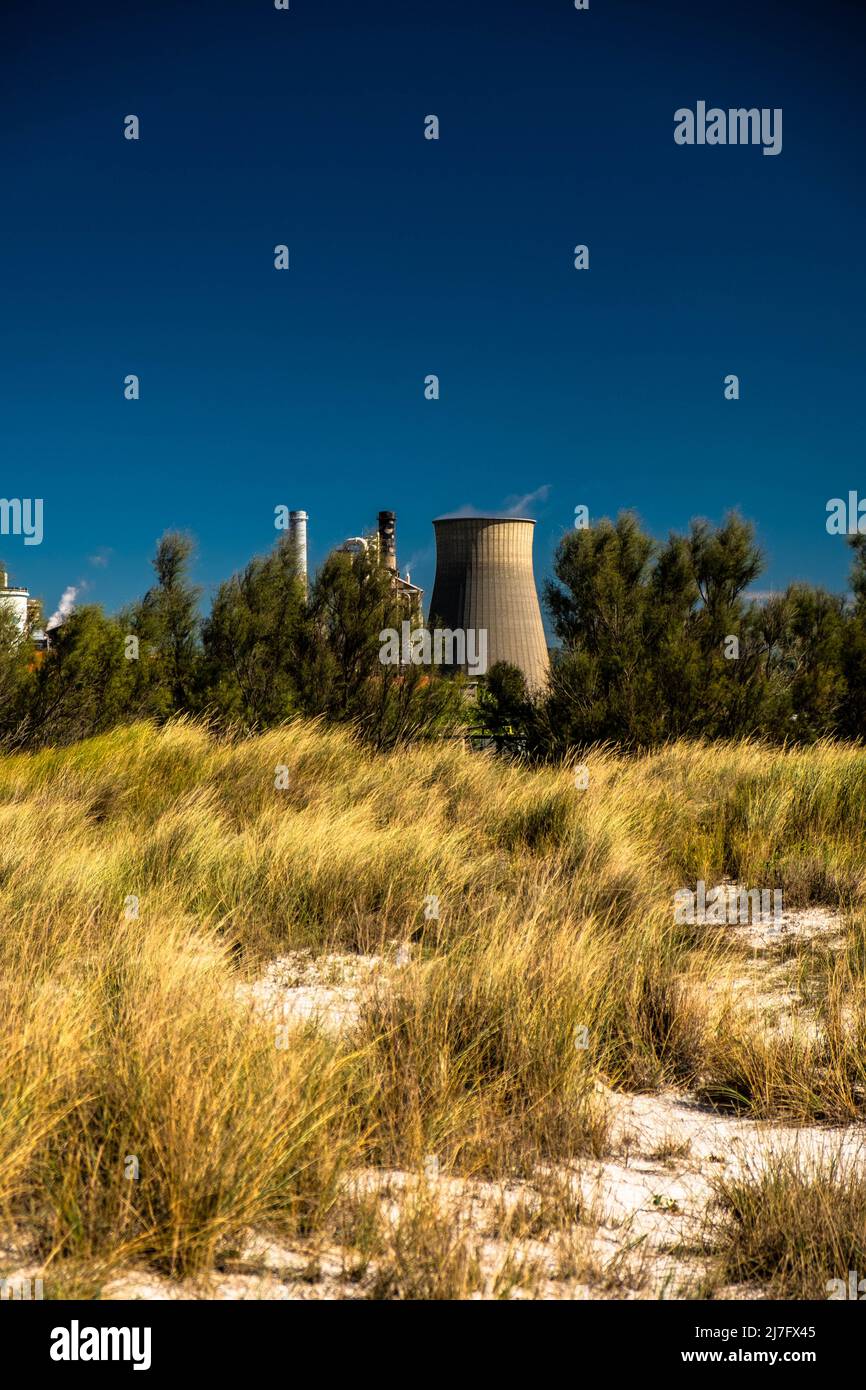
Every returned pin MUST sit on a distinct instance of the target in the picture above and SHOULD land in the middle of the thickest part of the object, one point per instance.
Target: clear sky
(408, 257)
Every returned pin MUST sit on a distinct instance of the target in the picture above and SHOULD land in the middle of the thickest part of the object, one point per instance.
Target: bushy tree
(800, 638)
(17, 661)
(340, 674)
(600, 607)
(253, 640)
(86, 684)
(851, 722)
(655, 639)
(167, 623)
(504, 710)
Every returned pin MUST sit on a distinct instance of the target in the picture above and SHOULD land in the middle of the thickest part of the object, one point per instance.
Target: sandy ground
(324, 991)
(641, 1237)
(642, 1209)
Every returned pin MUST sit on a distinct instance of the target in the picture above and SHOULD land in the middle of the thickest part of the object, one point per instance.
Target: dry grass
(554, 962)
(792, 1226)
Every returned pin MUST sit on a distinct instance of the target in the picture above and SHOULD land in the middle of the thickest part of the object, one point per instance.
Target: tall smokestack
(484, 581)
(298, 536)
(388, 541)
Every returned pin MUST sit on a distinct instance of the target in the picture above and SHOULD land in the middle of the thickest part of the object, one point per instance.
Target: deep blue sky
(411, 257)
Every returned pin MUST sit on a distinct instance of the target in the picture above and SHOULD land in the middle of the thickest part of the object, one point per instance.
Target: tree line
(655, 641)
(659, 641)
(266, 651)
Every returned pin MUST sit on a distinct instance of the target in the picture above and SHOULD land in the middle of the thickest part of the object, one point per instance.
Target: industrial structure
(386, 541)
(383, 545)
(15, 601)
(484, 581)
(26, 612)
(298, 539)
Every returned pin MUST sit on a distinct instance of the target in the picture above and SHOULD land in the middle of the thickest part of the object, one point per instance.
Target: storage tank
(14, 601)
(484, 580)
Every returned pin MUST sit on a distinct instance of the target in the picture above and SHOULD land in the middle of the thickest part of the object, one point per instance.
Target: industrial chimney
(388, 541)
(298, 537)
(484, 580)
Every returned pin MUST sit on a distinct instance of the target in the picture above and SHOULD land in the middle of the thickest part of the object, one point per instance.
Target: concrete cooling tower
(484, 580)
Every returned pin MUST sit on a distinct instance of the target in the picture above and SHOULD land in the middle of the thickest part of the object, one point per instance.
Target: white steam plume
(64, 608)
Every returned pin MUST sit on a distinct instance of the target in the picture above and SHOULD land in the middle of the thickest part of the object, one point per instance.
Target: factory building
(15, 601)
(26, 611)
(383, 545)
(485, 582)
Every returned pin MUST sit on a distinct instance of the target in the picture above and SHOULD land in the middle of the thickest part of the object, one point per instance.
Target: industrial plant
(484, 582)
(15, 601)
(26, 611)
(383, 545)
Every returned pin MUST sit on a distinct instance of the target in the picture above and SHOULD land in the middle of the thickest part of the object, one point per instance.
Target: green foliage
(167, 624)
(16, 658)
(87, 685)
(503, 708)
(660, 642)
(263, 654)
(340, 675)
(251, 640)
(657, 641)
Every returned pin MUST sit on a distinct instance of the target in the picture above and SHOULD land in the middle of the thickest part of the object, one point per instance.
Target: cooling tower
(484, 580)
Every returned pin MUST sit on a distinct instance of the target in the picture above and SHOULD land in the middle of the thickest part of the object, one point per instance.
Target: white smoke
(517, 506)
(64, 608)
(513, 506)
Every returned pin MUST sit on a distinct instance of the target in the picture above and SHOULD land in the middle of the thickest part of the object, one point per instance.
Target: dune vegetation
(531, 965)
